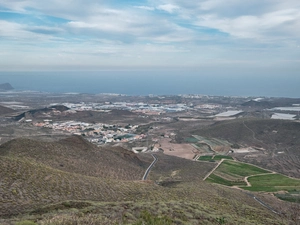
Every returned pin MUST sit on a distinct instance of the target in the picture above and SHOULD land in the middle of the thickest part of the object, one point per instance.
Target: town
(96, 133)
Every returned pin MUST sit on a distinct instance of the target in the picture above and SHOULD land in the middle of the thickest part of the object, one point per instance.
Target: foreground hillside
(76, 155)
(279, 140)
(72, 182)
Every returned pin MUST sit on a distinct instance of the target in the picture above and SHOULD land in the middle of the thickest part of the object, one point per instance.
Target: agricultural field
(219, 157)
(205, 158)
(203, 148)
(213, 157)
(286, 188)
(252, 178)
(268, 143)
(208, 145)
(214, 143)
(238, 169)
(186, 151)
(191, 140)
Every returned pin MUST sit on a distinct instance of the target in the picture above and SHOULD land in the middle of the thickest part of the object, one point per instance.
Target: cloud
(164, 48)
(269, 26)
(145, 8)
(45, 30)
(182, 30)
(168, 8)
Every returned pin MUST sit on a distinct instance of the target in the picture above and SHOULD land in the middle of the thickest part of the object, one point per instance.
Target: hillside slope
(57, 181)
(279, 138)
(4, 110)
(30, 187)
(261, 132)
(76, 155)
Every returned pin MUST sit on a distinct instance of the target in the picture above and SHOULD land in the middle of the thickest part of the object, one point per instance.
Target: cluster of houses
(96, 133)
(148, 109)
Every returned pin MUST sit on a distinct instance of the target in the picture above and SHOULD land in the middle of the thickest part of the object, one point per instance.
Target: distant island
(6, 87)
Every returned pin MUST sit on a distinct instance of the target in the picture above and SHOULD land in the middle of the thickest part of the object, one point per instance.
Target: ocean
(154, 82)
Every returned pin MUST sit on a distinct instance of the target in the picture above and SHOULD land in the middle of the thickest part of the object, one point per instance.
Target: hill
(263, 104)
(71, 181)
(271, 102)
(44, 113)
(60, 112)
(4, 110)
(6, 87)
(76, 155)
(278, 138)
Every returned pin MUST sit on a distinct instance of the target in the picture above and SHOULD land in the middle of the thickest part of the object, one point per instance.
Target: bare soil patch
(180, 150)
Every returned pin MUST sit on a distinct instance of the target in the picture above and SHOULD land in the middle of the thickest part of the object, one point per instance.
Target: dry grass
(26, 184)
(76, 155)
(31, 189)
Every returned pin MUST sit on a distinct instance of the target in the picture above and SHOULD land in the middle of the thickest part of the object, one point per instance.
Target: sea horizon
(154, 83)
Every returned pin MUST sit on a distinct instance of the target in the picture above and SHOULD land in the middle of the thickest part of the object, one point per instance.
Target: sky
(208, 35)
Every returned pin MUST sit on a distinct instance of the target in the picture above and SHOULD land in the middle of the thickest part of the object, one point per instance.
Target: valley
(85, 158)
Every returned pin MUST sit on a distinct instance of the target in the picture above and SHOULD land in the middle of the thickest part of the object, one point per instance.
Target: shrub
(147, 218)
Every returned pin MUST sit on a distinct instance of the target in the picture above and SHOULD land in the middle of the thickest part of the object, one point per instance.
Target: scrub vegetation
(36, 189)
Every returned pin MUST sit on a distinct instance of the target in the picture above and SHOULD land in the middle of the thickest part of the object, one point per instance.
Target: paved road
(262, 203)
(150, 167)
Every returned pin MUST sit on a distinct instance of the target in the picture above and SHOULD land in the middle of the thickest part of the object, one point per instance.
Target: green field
(238, 169)
(191, 140)
(219, 157)
(273, 183)
(291, 196)
(205, 158)
(232, 173)
(217, 179)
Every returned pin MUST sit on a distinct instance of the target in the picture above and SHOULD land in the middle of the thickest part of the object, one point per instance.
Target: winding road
(150, 167)
(262, 203)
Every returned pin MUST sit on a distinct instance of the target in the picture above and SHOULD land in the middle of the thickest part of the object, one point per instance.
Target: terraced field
(252, 178)
(219, 157)
(278, 138)
(214, 144)
(273, 183)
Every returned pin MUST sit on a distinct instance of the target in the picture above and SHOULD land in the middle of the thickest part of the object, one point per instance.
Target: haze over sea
(155, 82)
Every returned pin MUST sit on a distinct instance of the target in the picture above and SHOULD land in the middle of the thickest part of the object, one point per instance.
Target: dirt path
(253, 133)
(207, 175)
(247, 182)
